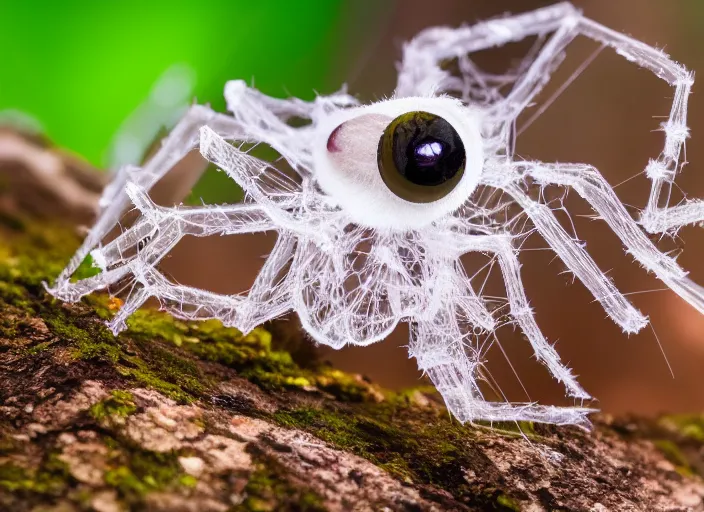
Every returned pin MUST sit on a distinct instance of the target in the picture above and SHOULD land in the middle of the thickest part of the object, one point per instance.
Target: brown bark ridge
(177, 416)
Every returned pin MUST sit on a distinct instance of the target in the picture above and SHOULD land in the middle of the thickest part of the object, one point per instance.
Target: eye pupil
(421, 157)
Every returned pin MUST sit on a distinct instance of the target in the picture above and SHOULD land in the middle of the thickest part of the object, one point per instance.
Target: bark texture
(175, 416)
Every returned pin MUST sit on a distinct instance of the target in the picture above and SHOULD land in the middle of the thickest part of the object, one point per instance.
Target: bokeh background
(104, 79)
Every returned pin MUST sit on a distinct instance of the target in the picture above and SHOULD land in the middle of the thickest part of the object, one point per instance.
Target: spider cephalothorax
(383, 204)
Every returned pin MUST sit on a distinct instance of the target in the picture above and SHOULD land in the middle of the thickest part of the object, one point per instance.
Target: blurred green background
(80, 68)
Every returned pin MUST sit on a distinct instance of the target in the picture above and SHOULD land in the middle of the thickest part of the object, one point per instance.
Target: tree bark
(177, 416)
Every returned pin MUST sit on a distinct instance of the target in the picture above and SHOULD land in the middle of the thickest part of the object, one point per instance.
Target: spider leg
(183, 302)
(265, 119)
(572, 253)
(270, 295)
(274, 192)
(175, 147)
(268, 298)
(445, 353)
(469, 304)
(168, 236)
(502, 247)
(196, 221)
(420, 72)
(270, 188)
(664, 220)
(660, 171)
(159, 229)
(256, 118)
(592, 186)
(158, 222)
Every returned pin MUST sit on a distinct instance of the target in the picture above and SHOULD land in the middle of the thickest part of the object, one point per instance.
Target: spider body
(384, 203)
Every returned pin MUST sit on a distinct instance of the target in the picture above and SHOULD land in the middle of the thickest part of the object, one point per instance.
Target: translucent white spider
(384, 203)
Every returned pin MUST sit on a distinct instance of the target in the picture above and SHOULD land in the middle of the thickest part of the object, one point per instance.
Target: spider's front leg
(592, 186)
(160, 229)
(175, 147)
(164, 227)
(272, 190)
(444, 349)
(268, 298)
(256, 118)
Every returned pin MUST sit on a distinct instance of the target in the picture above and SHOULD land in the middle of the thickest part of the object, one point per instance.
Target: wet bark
(192, 416)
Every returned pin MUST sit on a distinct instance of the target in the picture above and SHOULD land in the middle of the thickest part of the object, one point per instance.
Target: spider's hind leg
(441, 354)
(670, 219)
(661, 171)
(420, 71)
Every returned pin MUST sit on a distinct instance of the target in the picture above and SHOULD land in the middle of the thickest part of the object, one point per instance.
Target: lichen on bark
(176, 415)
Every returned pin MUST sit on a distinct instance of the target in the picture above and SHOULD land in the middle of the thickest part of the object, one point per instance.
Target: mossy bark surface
(177, 416)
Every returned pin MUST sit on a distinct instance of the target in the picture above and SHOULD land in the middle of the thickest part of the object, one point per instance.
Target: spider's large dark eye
(421, 157)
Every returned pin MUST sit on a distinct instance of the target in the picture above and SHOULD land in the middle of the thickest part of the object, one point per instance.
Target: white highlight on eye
(353, 260)
(429, 150)
(350, 176)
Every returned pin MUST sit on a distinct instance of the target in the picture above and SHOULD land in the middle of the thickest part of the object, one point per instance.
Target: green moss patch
(120, 403)
(268, 491)
(36, 254)
(135, 473)
(251, 355)
(689, 426)
(416, 446)
(506, 503)
(148, 363)
(50, 479)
